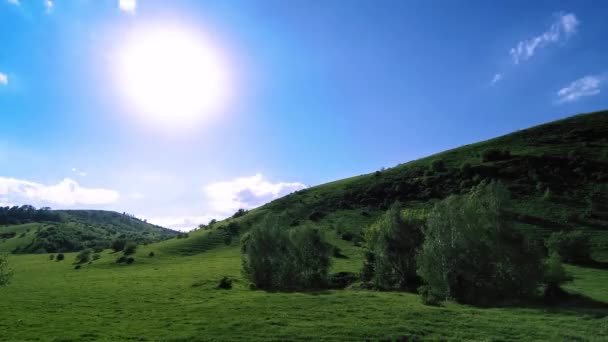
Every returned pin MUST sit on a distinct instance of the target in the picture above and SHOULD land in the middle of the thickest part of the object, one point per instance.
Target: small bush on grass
(52, 257)
(83, 256)
(342, 280)
(225, 283)
(573, 247)
(554, 276)
(130, 249)
(96, 256)
(130, 260)
(274, 258)
(151, 254)
(77, 267)
(60, 257)
(121, 260)
(118, 245)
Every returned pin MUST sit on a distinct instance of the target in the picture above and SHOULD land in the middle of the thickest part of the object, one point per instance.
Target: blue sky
(317, 91)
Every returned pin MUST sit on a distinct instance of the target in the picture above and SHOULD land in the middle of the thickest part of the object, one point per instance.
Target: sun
(172, 77)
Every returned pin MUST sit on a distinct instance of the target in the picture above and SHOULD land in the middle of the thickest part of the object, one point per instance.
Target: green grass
(173, 298)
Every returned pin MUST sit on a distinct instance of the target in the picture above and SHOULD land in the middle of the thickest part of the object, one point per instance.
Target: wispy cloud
(79, 172)
(497, 78)
(3, 79)
(14, 2)
(564, 26)
(246, 192)
(586, 86)
(66, 193)
(183, 223)
(128, 6)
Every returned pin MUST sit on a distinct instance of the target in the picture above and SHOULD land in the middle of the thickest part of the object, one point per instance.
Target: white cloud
(564, 26)
(67, 192)
(586, 86)
(14, 2)
(246, 192)
(183, 223)
(497, 78)
(3, 79)
(128, 6)
(79, 172)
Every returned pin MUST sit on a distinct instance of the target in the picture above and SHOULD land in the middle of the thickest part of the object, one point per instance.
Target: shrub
(130, 249)
(151, 254)
(494, 154)
(394, 241)
(225, 283)
(121, 260)
(347, 236)
(77, 267)
(341, 280)
(572, 247)
(6, 272)
(96, 256)
(60, 257)
(52, 257)
(274, 258)
(554, 276)
(98, 249)
(239, 213)
(118, 245)
(473, 254)
(84, 256)
(316, 216)
(438, 165)
(130, 260)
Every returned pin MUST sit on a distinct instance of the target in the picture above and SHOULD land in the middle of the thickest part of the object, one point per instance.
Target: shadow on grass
(573, 303)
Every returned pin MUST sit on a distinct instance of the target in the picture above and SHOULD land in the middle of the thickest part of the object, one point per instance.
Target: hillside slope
(557, 174)
(73, 230)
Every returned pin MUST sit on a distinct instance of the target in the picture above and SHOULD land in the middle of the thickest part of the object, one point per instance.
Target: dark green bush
(84, 256)
(239, 213)
(118, 245)
(6, 272)
(394, 241)
(342, 280)
(52, 257)
(151, 254)
(494, 154)
(60, 257)
(130, 260)
(274, 258)
(77, 267)
(121, 260)
(554, 276)
(130, 249)
(438, 166)
(573, 247)
(96, 256)
(225, 283)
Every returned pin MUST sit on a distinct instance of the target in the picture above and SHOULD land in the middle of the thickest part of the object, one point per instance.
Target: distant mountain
(27, 230)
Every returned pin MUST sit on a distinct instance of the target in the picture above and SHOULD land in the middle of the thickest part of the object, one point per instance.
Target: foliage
(554, 276)
(494, 154)
(438, 165)
(473, 254)
(84, 256)
(6, 272)
(118, 245)
(130, 248)
(274, 258)
(225, 283)
(60, 257)
(572, 247)
(26, 214)
(239, 213)
(394, 241)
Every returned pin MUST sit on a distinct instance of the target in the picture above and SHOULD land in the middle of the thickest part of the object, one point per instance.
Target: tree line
(27, 214)
(465, 248)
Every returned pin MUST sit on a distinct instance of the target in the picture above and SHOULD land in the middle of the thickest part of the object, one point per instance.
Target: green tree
(84, 256)
(394, 241)
(6, 272)
(473, 254)
(572, 247)
(275, 258)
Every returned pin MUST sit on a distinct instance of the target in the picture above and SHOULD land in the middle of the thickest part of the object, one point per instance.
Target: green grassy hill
(74, 230)
(556, 173)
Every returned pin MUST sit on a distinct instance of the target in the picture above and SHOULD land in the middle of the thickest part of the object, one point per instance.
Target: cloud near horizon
(246, 192)
(3, 78)
(585, 86)
(563, 27)
(65, 193)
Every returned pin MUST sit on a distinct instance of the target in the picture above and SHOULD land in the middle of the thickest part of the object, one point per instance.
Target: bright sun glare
(172, 76)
